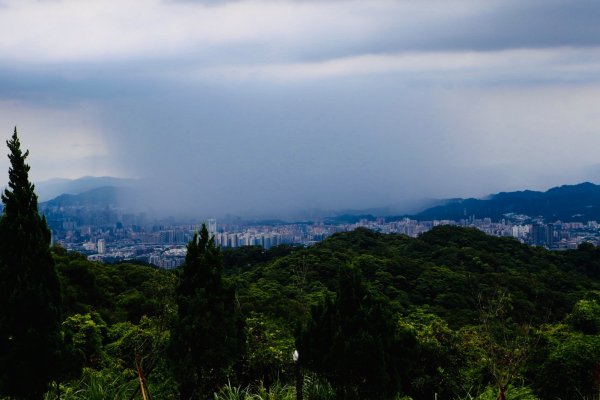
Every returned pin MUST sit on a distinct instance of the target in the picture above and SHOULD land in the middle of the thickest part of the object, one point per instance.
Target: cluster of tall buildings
(169, 258)
(266, 240)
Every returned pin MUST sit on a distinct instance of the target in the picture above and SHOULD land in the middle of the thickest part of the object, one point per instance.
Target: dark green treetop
(19, 199)
(30, 295)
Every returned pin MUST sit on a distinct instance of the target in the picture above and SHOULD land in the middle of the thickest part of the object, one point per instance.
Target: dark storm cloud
(518, 24)
(455, 26)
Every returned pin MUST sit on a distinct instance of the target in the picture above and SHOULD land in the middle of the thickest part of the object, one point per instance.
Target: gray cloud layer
(269, 107)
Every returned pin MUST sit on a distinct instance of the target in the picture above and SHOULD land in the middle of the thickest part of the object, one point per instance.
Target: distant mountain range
(100, 197)
(50, 189)
(84, 201)
(566, 203)
(579, 202)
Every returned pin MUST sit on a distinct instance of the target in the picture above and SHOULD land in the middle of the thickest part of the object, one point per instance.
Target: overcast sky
(267, 107)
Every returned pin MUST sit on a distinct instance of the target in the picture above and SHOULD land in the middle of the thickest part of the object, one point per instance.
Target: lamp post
(296, 358)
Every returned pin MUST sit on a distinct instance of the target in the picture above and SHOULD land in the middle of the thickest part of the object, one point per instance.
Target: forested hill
(374, 316)
(448, 269)
(566, 203)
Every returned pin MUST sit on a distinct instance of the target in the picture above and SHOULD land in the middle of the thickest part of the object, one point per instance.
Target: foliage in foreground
(313, 389)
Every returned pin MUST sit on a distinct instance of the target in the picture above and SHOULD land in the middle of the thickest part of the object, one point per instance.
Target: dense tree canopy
(381, 315)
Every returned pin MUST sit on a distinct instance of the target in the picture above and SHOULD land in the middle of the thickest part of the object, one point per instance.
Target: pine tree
(29, 288)
(207, 338)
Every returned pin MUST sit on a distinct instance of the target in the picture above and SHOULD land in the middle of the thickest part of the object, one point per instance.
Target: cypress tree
(208, 337)
(30, 295)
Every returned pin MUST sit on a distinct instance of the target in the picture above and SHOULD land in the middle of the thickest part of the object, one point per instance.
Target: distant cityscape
(164, 245)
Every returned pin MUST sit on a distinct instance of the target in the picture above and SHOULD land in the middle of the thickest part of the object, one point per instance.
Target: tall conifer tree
(207, 338)
(29, 288)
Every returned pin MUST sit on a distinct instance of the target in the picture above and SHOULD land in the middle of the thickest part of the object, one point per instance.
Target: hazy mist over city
(271, 108)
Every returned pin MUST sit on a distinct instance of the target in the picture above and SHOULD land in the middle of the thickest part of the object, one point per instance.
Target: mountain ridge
(569, 203)
(578, 202)
(52, 188)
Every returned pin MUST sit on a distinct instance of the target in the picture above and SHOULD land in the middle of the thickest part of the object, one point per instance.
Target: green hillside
(454, 312)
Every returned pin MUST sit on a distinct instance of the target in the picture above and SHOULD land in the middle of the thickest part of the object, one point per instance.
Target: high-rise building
(232, 240)
(550, 235)
(101, 246)
(267, 241)
(180, 237)
(167, 237)
(539, 235)
(212, 227)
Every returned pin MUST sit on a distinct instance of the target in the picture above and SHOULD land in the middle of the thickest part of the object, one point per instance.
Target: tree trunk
(502, 394)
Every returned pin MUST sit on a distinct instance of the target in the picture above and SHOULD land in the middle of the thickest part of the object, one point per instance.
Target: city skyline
(165, 246)
(294, 105)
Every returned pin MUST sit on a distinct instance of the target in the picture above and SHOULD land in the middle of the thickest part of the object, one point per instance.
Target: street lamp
(296, 358)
